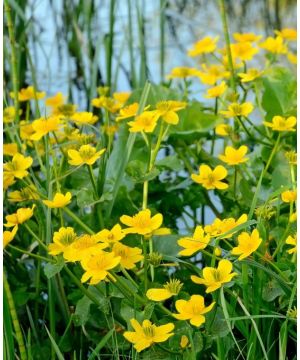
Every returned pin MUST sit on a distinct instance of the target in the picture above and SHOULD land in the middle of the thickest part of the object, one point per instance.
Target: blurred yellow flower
(171, 288)
(129, 255)
(97, 267)
(121, 97)
(55, 101)
(193, 310)
(197, 242)
(19, 217)
(142, 223)
(86, 155)
(111, 236)
(145, 122)
(246, 37)
(84, 117)
(289, 196)
(292, 240)
(182, 72)
(216, 91)
(234, 156)
(213, 278)
(167, 110)
(28, 93)
(236, 109)
(62, 238)
(9, 114)
(243, 51)
(24, 194)
(18, 166)
(10, 149)
(223, 129)
(128, 111)
(292, 57)
(147, 334)
(64, 110)
(26, 130)
(279, 123)
(8, 236)
(209, 75)
(287, 34)
(204, 46)
(44, 126)
(59, 200)
(211, 179)
(247, 244)
(250, 75)
(219, 227)
(8, 180)
(184, 341)
(274, 45)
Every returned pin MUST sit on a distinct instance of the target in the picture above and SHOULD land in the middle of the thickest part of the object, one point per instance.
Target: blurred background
(74, 46)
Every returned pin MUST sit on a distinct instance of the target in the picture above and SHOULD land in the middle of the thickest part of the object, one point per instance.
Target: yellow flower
(17, 166)
(250, 75)
(121, 97)
(247, 244)
(22, 215)
(246, 37)
(8, 180)
(64, 110)
(96, 267)
(193, 310)
(211, 179)
(55, 101)
(59, 200)
(292, 240)
(171, 288)
(234, 156)
(274, 45)
(26, 130)
(129, 255)
(216, 91)
(288, 34)
(167, 110)
(182, 72)
(289, 196)
(28, 93)
(145, 122)
(26, 193)
(236, 109)
(62, 238)
(213, 278)
(86, 155)
(184, 340)
(110, 129)
(243, 50)
(111, 236)
(82, 248)
(209, 75)
(128, 111)
(10, 149)
(204, 46)
(142, 223)
(197, 242)
(223, 129)
(293, 217)
(147, 334)
(43, 126)
(84, 118)
(219, 227)
(279, 123)
(9, 114)
(8, 236)
(292, 58)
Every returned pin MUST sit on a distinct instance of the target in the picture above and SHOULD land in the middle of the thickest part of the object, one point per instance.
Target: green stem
(39, 257)
(36, 237)
(93, 181)
(79, 222)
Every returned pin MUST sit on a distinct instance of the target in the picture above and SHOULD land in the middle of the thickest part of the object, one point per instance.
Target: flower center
(149, 331)
(174, 286)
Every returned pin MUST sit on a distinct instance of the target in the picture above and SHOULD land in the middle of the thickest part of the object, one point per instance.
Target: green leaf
(55, 346)
(52, 269)
(85, 196)
(271, 291)
(166, 245)
(171, 162)
(82, 311)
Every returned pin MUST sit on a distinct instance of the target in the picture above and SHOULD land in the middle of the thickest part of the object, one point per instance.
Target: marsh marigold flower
(142, 223)
(279, 123)
(111, 236)
(167, 110)
(209, 75)
(243, 50)
(216, 91)
(19, 217)
(197, 242)
(145, 122)
(246, 37)
(250, 75)
(147, 334)
(184, 341)
(59, 200)
(274, 45)
(292, 57)
(44, 126)
(8, 180)
(286, 33)
(18, 166)
(128, 111)
(9, 114)
(192, 310)
(10, 149)
(171, 288)
(8, 236)
(86, 154)
(234, 156)
(213, 278)
(223, 129)
(83, 247)
(247, 244)
(62, 238)
(55, 101)
(236, 109)
(84, 117)
(24, 194)
(129, 255)
(121, 97)
(28, 93)
(220, 227)
(292, 240)
(97, 267)
(182, 72)
(211, 179)
(204, 46)
(289, 196)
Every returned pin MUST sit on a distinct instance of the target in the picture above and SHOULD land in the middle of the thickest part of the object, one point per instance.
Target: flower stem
(93, 181)
(79, 222)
